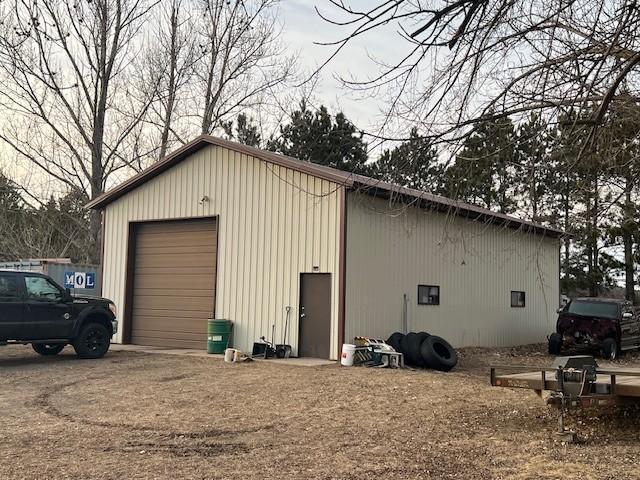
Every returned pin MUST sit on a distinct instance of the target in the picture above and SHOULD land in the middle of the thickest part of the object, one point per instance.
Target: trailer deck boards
(576, 382)
(610, 381)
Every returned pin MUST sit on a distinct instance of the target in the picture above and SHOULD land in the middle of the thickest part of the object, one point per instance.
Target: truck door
(47, 313)
(629, 327)
(635, 311)
(11, 315)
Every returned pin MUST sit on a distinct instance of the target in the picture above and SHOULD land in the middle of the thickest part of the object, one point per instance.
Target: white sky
(303, 26)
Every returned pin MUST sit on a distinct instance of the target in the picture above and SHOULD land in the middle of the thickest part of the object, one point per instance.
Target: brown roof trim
(351, 180)
(375, 187)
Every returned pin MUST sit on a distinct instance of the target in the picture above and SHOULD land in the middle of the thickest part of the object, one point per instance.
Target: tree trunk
(97, 167)
(171, 87)
(567, 239)
(627, 239)
(533, 191)
(592, 239)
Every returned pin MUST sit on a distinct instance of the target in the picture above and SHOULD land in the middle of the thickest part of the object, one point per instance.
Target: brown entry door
(315, 315)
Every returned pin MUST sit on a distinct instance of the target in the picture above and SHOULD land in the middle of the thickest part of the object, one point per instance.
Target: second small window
(517, 299)
(428, 295)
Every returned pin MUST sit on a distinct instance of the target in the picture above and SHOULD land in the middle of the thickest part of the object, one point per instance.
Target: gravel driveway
(133, 415)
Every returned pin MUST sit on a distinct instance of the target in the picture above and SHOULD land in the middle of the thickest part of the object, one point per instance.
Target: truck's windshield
(593, 309)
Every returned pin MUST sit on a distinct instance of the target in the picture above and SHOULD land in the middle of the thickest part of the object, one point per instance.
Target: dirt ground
(141, 416)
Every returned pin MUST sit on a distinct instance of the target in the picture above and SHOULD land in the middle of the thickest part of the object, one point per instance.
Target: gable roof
(351, 181)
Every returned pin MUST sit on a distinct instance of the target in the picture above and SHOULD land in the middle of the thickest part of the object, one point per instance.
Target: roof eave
(349, 180)
(332, 175)
(461, 209)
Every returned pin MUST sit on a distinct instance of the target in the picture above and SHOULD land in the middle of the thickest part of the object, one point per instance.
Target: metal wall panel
(391, 249)
(273, 224)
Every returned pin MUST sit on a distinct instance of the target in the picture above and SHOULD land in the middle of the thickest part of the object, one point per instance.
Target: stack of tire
(424, 351)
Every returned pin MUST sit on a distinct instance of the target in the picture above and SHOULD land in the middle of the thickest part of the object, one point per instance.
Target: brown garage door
(174, 283)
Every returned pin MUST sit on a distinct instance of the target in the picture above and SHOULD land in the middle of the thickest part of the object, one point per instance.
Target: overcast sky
(303, 27)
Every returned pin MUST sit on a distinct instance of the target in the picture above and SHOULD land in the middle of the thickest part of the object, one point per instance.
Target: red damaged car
(606, 325)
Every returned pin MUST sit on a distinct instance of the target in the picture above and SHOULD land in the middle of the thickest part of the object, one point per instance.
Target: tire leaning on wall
(438, 354)
(405, 348)
(415, 348)
(395, 340)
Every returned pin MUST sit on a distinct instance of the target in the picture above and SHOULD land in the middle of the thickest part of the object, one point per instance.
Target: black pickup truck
(34, 309)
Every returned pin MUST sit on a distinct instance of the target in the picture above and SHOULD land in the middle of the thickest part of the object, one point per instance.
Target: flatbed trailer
(573, 382)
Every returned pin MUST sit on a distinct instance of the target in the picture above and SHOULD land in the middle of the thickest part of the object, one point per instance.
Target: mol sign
(80, 280)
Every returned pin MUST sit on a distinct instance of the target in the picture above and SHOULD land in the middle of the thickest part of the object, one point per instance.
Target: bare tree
(465, 61)
(64, 73)
(241, 60)
(170, 64)
(214, 59)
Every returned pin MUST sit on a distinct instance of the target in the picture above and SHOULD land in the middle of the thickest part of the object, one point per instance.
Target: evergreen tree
(619, 145)
(412, 164)
(534, 175)
(483, 172)
(13, 216)
(315, 136)
(563, 199)
(246, 131)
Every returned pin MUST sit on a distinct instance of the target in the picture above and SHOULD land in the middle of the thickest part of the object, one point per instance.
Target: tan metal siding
(390, 250)
(274, 223)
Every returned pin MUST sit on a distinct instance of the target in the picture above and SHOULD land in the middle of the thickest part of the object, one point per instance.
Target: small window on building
(428, 295)
(517, 299)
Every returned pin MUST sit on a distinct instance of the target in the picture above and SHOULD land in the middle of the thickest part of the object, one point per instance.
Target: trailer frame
(572, 388)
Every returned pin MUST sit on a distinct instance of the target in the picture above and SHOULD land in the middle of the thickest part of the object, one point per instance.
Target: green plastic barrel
(218, 335)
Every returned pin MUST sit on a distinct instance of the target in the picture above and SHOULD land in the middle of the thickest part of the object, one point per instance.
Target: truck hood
(78, 298)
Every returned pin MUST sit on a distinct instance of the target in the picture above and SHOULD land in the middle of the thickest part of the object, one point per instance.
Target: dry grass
(133, 416)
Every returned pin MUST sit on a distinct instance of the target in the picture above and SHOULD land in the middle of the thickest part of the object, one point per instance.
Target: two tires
(92, 342)
(424, 350)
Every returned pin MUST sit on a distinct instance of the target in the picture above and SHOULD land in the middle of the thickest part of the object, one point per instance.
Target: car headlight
(113, 309)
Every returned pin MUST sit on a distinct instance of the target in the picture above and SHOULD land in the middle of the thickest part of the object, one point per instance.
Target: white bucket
(231, 355)
(348, 352)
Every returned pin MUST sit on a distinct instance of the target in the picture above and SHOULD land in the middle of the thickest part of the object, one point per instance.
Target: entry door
(315, 315)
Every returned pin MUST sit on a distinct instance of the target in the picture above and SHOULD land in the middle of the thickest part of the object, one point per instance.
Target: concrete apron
(298, 362)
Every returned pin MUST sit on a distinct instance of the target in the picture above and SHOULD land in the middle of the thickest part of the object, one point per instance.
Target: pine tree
(483, 172)
(533, 176)
(12, 220)
(246, 131)
(315, 136)
(619, 145)
(412, 164)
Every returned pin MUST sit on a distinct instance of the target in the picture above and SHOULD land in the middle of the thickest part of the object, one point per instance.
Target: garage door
(174, 283)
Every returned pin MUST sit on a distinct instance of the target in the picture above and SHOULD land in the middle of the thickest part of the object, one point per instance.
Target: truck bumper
(114, 326)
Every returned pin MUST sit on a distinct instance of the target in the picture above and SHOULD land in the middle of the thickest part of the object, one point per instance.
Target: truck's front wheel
(93, 341)
(47, 349)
